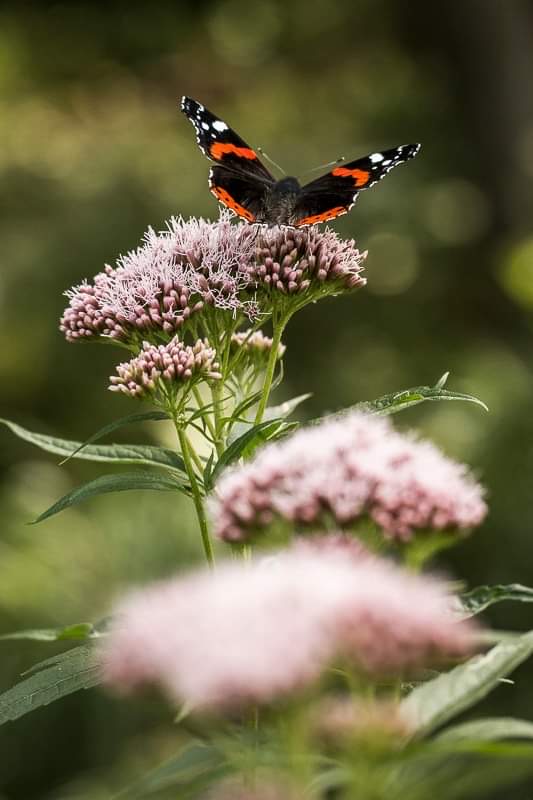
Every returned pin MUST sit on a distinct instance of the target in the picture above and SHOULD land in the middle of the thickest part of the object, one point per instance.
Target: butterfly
(244, 185)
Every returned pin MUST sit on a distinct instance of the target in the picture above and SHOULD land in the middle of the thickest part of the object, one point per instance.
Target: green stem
(195, 457)
(216, 393)
(277, 332)
(206, 417)
(196, 494)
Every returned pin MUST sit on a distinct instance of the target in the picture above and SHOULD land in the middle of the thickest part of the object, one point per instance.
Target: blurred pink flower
(251, 632)
(173, 364)
(343, 470)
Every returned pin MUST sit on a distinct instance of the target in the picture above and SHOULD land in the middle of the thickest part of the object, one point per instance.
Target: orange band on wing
(361, 175)
(331, 214)
(227, 199)
(219, 149)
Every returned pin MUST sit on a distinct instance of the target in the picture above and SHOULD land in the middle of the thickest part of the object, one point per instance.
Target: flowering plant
(302, 663)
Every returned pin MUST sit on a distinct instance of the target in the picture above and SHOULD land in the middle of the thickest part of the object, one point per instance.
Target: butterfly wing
(335, 193)
(241, 193)
(221, 144)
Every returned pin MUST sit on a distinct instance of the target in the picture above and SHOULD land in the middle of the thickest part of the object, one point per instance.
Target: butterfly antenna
(324, 166)
(267, 158)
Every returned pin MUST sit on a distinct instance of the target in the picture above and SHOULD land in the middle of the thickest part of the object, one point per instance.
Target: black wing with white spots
(335, 192)
(220, 143)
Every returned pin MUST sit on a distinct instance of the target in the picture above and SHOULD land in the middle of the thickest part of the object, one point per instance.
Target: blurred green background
(93, 150)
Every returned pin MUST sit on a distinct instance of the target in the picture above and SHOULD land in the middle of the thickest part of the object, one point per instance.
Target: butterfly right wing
(335, 192)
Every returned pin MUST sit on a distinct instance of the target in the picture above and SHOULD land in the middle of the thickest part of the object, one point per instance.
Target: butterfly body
(280, 201)
(243, 184)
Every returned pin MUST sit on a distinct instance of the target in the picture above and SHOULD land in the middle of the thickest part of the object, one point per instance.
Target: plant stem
(196, 494)
(206, 417)
(277, 332)
(216, 393)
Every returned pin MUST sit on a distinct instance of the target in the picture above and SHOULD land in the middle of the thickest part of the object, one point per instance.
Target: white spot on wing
(375, 158)
(218, 125)
(205, 126)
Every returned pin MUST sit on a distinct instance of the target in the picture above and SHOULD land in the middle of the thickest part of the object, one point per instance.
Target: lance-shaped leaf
(50, 680)
(186, 774)
(399, 401)
(284, 410)
(480, 598)
(148, 455)
(78, 631)
(120, 482)
(459, 770)
(245, 445)
(435, 702)
(143, 416)
(490, 729)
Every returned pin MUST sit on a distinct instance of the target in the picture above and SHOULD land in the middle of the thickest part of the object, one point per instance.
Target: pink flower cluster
(195, 264)
(344, 470)
(289, 260)
(170, 277)
(174, 363)
(255, 343)
(252, 632)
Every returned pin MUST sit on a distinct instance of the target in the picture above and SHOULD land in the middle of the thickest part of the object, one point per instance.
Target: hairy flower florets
(181, 273)
(345, 470)
(173, 365)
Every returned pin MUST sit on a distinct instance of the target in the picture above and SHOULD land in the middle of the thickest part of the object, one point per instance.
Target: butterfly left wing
(240, 193)
(221, 144)
(335, 193)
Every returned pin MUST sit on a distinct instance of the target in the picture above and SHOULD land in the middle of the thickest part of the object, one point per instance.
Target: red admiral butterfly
(246, 187)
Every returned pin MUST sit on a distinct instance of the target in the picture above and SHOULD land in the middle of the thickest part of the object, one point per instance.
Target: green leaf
(488, 729)
(459, 770)
(118, 423)
(480, 598)
(191, 771)
(435, 702)
(120, 482)
(50, 680)
(208, 472)
(284, 410)
(81, 630)
(399, 401)
(112, 453)
(245, 445)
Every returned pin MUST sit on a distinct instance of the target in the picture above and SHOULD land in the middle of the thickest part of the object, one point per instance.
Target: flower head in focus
(352, 468)
(293, 262)
(170, 278)
(166, 370)
(196, 267)
(255, 632)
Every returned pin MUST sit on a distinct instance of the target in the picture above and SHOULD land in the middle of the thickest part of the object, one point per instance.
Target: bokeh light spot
(455, 211)
(244, 34)
(516, 273)
(392, 265)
